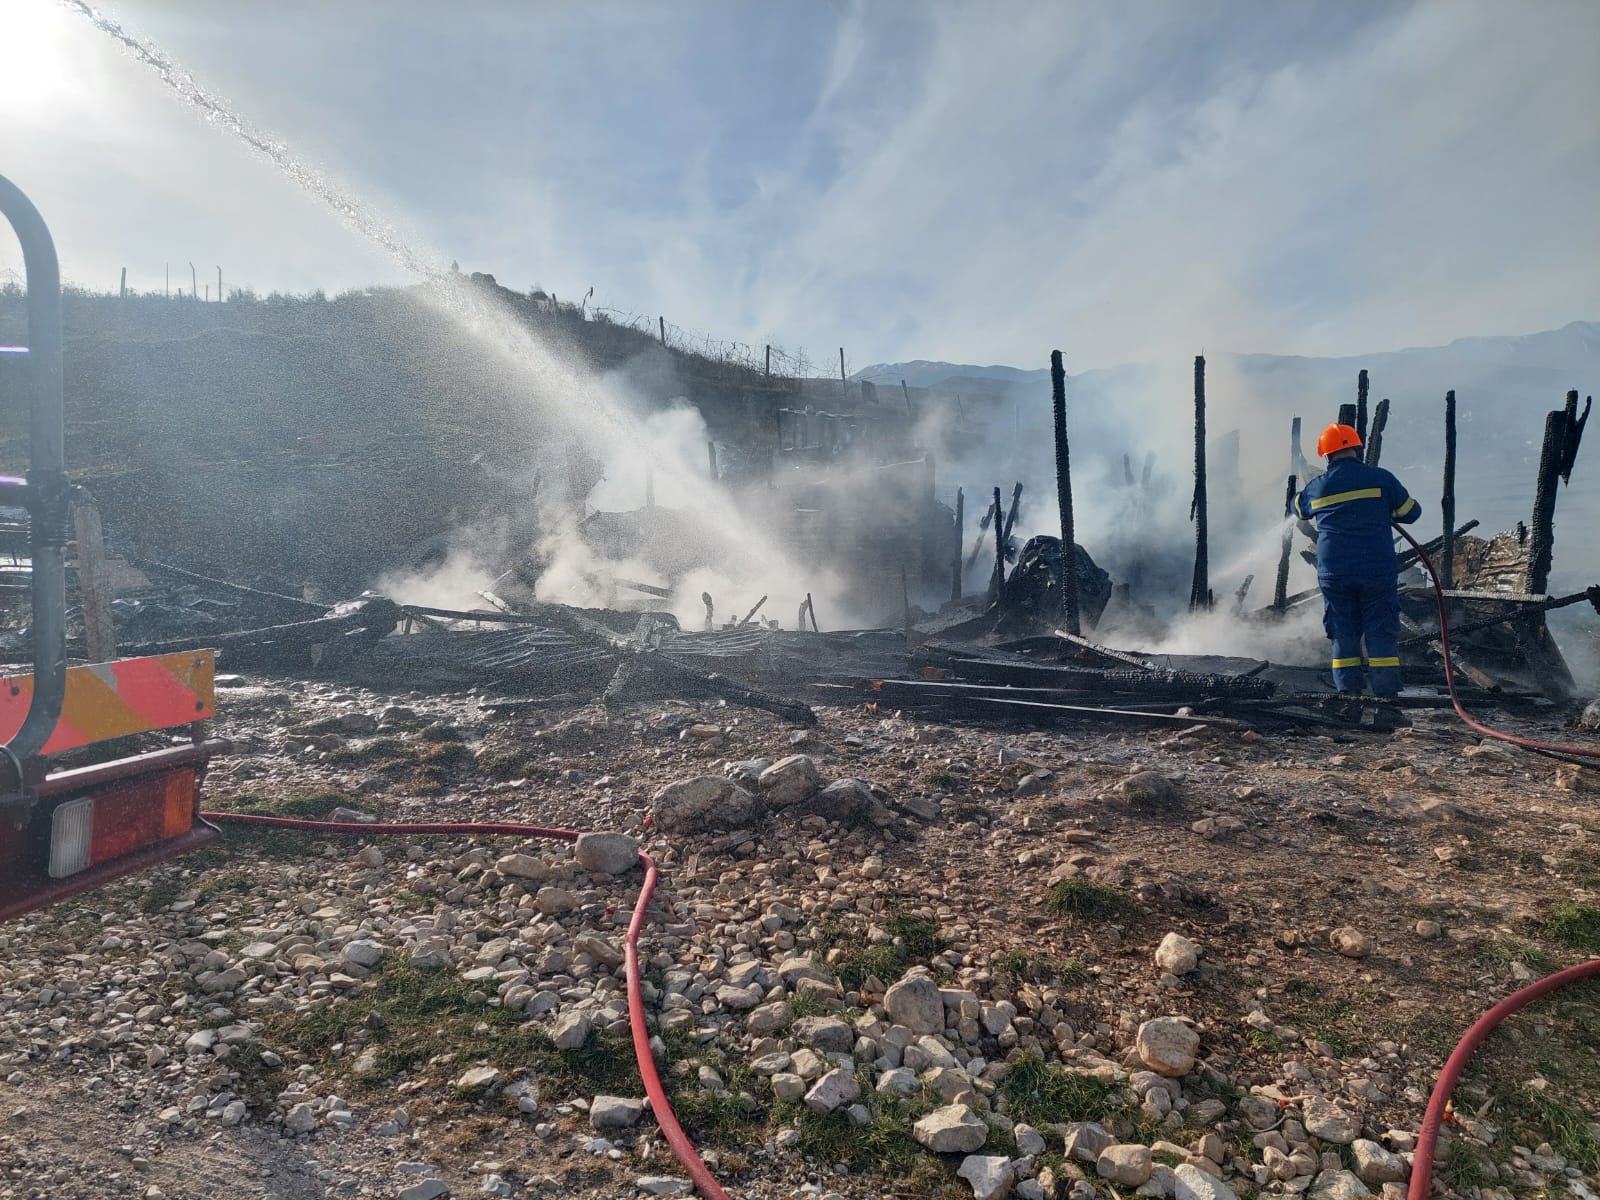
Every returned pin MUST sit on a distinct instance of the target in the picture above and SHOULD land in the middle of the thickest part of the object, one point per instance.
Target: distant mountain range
(1533, 365)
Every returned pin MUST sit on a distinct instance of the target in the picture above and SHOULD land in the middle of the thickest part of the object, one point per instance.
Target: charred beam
(1447, 504)
(999, 553)
(1380, 420)
(1575, 424)
(1280, 593)
(960, 537)
(1361, 405)
(1542, 528)
(1200, 588)
(1069, 546)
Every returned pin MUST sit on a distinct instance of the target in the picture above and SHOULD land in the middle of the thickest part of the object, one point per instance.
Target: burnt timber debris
(1017, 650)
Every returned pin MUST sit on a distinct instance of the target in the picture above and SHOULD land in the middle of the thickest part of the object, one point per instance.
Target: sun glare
(36, 67)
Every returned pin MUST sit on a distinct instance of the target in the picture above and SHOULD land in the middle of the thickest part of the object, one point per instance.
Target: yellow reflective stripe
(1353, 662)
(1383, 662)
(1341, 497)
(1410, 503)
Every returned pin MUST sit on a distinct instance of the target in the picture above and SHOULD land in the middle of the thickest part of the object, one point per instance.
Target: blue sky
(913, 179)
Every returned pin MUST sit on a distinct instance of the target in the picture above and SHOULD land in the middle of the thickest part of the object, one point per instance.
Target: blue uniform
(1353, 505)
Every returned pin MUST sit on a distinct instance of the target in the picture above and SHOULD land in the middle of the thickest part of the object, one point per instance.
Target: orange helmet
(1337, 437)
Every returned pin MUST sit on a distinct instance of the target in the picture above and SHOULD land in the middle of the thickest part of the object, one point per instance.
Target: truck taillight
(120, 819)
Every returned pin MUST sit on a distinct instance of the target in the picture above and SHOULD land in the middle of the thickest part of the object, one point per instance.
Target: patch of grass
(506, 762)
(916, 940)
(1464, 1165)
(942, 780)
(966, 812)
(920, 937)
(806, 1004)
(383, 749)
(441, 733)
(1024, 966)
(1042, 1094)
(231, 881)
(305, 803)
(883, 1146)
(1557, 1121)
(1264, 1040)
(1502, 952)
(1576, 926)
(159, 891)
(318, 727)
(410, 1017)
(1092, 901)
(1168, 1159)
(258, 1083)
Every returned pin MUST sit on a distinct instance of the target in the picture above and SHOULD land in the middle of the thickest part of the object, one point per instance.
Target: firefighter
(1353, 505)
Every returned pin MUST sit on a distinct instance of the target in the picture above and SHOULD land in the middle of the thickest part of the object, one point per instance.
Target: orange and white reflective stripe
(108, 700)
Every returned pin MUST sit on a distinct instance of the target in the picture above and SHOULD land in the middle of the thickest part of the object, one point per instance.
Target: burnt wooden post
(999, 550)
(1298, 466)
(1069, 545)
(1347, 415)
(955, 557)
(844, 386)
(662, 322)
(1447, 503)
(1575, 424)
(1551, 456)
(769, 360)
(711, 458)
(906, 392)
(1280, 593)
(1380, 420)
(811, 610)
(1200, 588)
(1361, 405)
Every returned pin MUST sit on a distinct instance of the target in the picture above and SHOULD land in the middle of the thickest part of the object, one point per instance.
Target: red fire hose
(1428, 1136)
(682, 1147)
(1589, 752)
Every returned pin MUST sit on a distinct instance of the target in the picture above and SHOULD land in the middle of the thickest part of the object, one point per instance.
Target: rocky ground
(886, 958)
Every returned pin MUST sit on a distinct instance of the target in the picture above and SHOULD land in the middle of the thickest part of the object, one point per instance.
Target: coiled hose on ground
(683, 1149)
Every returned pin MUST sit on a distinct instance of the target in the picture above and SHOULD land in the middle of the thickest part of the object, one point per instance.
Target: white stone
(571, 1030)
(302, 1118)
(1351, 942)
(790, 781)
(606, 853)
(1177, 954)
(428, 1189)
(989, 1174)
(1085, 1140)
(1167, 1046)
(614, 1112)
(664, 1185)
(522, 866)
(1128, 1165)
(915, 1003)
(1329, 1122)
(364, 952)
(953, 1129)
(897, 1082)
(1191, 1183)
(1375, 1164)
(1029, 1141)
(476, 1079)
(705, 802)
(833, 1089)
(1338, 1185)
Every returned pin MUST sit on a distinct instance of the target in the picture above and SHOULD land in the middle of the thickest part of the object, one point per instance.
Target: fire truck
(64, 831)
